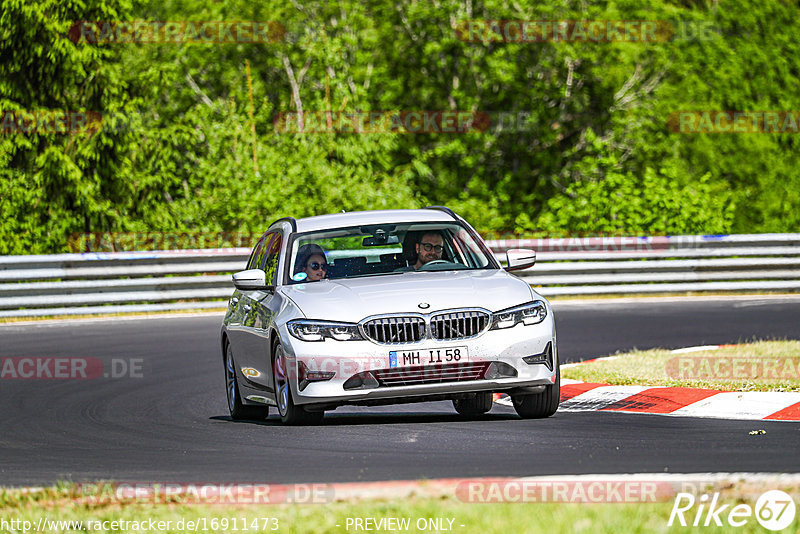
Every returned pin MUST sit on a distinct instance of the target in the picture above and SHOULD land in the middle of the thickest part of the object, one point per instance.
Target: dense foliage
(188, 141)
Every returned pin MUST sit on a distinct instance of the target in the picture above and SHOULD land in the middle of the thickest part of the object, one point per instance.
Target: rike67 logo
(774, 510)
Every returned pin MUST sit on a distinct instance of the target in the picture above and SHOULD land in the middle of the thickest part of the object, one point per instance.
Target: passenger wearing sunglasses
(316, 268)
(429, 248)
(310, 261)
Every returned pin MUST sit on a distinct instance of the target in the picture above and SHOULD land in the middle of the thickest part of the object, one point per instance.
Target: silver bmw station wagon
(385, 307)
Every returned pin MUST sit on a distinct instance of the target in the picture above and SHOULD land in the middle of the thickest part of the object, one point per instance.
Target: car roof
(358, 218)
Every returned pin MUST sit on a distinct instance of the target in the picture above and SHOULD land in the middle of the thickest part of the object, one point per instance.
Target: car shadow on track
(383, 418)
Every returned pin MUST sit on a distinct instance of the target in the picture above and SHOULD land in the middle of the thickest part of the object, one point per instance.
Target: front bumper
(348, 358)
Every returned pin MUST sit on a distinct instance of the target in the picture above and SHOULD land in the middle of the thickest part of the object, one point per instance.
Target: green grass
(56, 504)
(769, 366)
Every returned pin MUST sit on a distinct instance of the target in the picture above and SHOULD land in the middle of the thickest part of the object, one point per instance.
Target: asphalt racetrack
(169, 422)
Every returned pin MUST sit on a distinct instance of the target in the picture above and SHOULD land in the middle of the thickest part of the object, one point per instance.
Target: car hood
(353, 299)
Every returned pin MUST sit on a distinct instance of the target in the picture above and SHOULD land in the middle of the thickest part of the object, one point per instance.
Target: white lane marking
(740, 405)
(591, 360)
(568, 381)
(600, 397)
(773, 480)
(736, 299)
(753, 303)
(699, 348)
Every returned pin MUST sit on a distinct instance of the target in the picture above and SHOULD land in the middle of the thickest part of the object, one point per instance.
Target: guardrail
(114, 282)
(651, 265)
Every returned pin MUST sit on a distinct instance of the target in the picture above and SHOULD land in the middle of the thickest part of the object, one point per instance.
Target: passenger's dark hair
(305, 252)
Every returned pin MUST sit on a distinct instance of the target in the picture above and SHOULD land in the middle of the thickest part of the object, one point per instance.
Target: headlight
(531, 313)
(307, 330)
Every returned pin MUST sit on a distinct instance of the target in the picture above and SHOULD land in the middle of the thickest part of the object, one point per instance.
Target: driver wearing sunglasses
(311, 261)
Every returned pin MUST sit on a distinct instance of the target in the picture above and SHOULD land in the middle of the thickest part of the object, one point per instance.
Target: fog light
(363, 380)
(499, 370)
(306, 376)
(546, 357)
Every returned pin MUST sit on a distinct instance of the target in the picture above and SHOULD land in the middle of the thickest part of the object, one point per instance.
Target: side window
(272, 253)
(259, 259)
(255, 257)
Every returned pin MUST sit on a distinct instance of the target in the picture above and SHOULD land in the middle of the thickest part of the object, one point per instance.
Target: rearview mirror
(380, 240)
(251, 279)
(520, 258)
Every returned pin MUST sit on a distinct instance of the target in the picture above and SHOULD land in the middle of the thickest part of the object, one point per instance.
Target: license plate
(442, 355)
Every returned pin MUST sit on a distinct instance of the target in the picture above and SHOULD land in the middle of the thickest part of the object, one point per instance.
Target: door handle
(234, 300)
(246, 307)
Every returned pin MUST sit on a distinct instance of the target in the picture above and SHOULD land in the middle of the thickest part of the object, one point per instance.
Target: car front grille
(430, 374)
(443, 326)
(393, 330)
(458, 325)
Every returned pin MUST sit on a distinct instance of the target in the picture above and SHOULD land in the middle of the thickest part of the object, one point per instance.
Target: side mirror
(519, 258)
(251, 279)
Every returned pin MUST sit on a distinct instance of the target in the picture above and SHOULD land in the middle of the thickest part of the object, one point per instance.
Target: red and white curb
(680, 402)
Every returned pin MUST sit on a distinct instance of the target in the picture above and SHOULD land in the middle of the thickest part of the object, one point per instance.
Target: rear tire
(291, 414)
(474, 405)
(239, 411)
(540, 405)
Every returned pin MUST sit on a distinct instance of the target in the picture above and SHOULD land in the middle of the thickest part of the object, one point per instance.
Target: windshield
(383, 249)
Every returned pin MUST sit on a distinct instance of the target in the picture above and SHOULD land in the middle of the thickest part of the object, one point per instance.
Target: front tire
(474, 405)
(291, 414)
(540, 405)
(239, 411)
